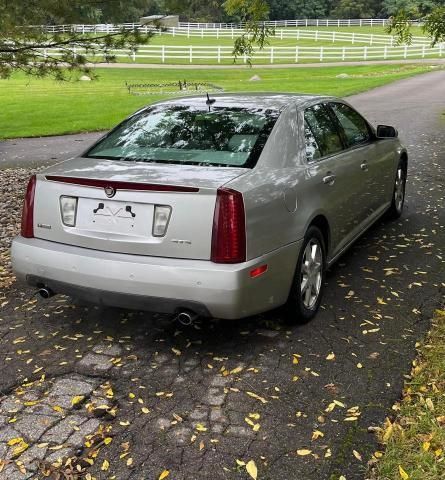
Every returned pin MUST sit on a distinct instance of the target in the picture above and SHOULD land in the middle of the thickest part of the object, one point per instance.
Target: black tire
(299, 310)
(398, 195)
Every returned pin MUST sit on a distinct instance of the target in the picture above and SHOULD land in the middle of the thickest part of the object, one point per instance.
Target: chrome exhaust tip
(45, 292)
(186, 318)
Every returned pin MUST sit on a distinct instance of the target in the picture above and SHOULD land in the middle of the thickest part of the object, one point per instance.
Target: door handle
(364, 166)
(329, 179)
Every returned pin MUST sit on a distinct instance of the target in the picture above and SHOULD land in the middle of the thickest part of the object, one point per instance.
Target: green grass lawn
(38, 107)
(415, 440)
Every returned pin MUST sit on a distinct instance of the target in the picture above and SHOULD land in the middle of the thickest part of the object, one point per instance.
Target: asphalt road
(178, 398)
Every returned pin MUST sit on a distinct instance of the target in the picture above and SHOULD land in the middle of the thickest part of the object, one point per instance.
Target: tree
(353, 9)
(23, 42)
(433, 23)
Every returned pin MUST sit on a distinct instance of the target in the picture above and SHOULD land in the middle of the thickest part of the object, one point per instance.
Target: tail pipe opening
(45, 292)
(186, 317)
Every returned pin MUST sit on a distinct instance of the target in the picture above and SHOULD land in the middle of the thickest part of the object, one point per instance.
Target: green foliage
(353, 9)
(251, 13)
(434, 22)
(21, 41)
(435, 25)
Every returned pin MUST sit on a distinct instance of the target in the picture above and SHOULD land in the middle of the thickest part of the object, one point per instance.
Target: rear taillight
(229, 228)
(28, 209)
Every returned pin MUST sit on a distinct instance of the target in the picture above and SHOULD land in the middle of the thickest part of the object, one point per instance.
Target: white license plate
(109, 216)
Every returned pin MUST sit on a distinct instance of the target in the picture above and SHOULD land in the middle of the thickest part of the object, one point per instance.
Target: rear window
(222, 136)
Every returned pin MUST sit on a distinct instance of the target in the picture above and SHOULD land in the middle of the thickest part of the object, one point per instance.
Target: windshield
(190, 135)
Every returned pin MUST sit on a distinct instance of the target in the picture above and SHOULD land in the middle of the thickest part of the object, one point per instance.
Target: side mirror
(386, 131)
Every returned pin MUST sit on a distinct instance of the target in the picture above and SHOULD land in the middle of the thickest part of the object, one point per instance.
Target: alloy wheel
(311, 273)
(399, 189)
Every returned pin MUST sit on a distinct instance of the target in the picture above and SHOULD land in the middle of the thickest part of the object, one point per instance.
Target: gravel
(12, 189)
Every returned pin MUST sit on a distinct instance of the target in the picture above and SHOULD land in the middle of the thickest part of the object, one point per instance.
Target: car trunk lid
(139, 196)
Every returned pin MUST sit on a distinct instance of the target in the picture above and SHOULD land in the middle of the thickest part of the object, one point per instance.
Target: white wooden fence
(110, 28)
(181, 54)
(295, 34)
(281, 33)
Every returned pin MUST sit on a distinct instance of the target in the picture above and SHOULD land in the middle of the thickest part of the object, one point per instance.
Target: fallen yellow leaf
(256, 397)
(105, 465)
(77, 399)
(403, 474)
(303, 452)
(164, 474)
(251, 469)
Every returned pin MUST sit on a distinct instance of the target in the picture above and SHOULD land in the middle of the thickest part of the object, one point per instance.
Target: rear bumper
(157, 283)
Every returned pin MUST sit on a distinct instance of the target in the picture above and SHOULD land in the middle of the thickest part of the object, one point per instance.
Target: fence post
(219, 54)
(333, 37)
(349, 22)
(245, 58)
(316, 35)
(281, 34)
(271, 54)
(405, 51)
(191, 54)
(372, 39)
(232, 32)
(353, 38)
(385, 52)
(343, 54)
(306, 22)
(173, 31)
(188, 31)
(321, 54)
(133, 55)
(365, 53)
(163, 54)
(217, 33)
(371, 22)
(361, 22)
(423, 51)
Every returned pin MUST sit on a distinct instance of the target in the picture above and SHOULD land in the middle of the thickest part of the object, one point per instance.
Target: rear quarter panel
(269, 190)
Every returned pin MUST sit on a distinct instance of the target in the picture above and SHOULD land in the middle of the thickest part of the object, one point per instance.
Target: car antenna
(210, 101)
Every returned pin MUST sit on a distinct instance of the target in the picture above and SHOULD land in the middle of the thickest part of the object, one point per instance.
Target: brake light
(229, 228)
(28, 209)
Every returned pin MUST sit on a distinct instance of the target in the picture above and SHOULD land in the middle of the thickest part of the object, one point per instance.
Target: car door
(368, 158)
(332, 186)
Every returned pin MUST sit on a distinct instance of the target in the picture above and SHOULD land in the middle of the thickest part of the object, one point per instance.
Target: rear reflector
(27, 229)
(229, 228)
(256, 272)
(68, 210)
(161, 217)
(91, 182)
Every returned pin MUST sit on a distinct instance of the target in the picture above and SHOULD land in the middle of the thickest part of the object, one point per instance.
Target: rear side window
(322, 137)
(354, 125)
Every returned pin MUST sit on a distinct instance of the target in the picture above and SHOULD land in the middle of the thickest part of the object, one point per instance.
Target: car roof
(276, 101)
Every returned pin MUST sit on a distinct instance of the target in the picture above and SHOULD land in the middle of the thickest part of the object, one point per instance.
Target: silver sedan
(224, 207)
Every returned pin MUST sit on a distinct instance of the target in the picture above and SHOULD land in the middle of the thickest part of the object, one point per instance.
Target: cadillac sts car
(218, 207)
